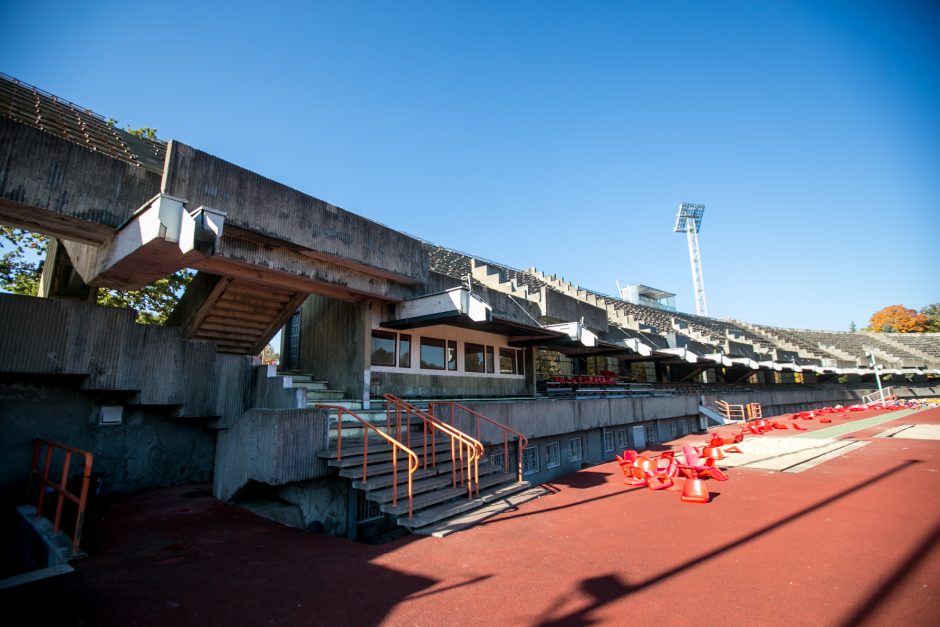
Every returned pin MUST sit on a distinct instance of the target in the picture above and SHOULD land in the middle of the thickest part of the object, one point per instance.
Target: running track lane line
(858, 425)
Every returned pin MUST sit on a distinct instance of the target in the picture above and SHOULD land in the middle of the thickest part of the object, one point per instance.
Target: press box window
(490, 359)
(509, 362)
(608, 440)
(474, 359)
(433, 353)
(383, 348)
(404, 351)
(651, 435)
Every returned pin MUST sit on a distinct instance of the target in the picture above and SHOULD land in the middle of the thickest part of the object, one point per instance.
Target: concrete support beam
(161, 238)
(306, 224)
(53, 186)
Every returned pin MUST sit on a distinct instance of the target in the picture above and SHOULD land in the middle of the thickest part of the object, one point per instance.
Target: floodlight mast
(689, 221)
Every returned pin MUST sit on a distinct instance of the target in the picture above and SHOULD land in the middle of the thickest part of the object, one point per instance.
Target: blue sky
(560, 135)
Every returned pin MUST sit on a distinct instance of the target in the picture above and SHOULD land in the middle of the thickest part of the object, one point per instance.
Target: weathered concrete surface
(241, 257)
(149, 450)
(412, 385)
(161, 238)
(319, 229)
(335, 342)
(777, 402)
(145, 364)
(270, 390)
(324, 501)
(564, 308)
(54, 186)
(273, 446)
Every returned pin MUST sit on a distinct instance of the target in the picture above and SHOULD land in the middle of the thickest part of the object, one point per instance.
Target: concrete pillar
(59, 278)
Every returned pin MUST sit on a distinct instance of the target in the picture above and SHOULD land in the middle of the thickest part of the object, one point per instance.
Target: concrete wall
(777, 402)
(71, 188)
(149, 450)
(259, 205)
(334, 343)
(273, 446)
(434, 386)
(61, 361)
(551, 417)
(569, 309)
(141, 364)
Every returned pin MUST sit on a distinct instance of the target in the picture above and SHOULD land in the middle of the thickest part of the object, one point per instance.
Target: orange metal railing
(730, 412)
(40, 478)
(754, 411)
(477, 417)
(396, 444)
(465, 451)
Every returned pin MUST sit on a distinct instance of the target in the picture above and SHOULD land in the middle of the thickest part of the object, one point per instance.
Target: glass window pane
(383, 348)
(432, 353)
(451, 355)
(507, 361)
(404, 351)
(490, 360)
(473, 360)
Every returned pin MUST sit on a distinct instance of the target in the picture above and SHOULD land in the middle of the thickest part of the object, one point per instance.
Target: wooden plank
(206, 307)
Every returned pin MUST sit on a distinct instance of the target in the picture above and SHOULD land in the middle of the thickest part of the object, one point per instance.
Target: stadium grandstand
(416, 384)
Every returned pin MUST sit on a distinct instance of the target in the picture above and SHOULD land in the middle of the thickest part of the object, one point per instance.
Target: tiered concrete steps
(435, 497)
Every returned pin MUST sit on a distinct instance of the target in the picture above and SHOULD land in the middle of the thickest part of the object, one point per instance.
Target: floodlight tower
(689, 221)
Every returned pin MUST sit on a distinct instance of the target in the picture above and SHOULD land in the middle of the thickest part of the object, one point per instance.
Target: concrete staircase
(439, 495)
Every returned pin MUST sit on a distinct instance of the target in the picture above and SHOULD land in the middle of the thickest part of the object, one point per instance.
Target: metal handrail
(731, 412)
(755, 411)
(460, 443)
(522, 441)
(881, 395)
(413, 462)
(80, 499)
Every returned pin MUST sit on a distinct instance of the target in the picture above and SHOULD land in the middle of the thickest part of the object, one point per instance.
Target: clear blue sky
(560, 135)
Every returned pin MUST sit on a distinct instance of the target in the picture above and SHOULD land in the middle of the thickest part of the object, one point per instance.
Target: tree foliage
(21, 267)
(898, 319)
(933, 317)
(19, 270)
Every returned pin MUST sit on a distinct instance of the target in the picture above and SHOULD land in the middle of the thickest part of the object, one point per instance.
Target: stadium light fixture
(689, 221)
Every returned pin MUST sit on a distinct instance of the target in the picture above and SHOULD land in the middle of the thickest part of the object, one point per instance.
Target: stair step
(426, 500)
(311, 385)
(385, 468)
(501, 500)
(377, 482)
(419, 486)
(503, 485)
(354, 405)
(324, 394)
(384, 454)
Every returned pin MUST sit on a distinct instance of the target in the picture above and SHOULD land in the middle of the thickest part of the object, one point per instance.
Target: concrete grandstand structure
(367, 312)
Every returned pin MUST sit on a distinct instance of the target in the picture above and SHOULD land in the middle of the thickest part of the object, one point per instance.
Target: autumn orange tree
(898, 319)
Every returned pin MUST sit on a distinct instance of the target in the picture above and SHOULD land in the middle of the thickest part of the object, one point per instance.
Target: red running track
(855, 540)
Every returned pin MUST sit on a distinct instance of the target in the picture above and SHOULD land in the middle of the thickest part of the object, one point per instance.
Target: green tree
(19, 270)
(21, 267)
(852, 327)
(933, 317)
